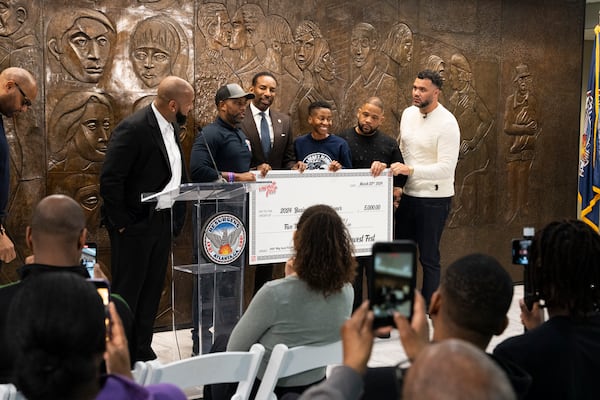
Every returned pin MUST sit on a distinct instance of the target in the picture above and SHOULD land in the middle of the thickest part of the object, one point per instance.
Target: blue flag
(589, 162)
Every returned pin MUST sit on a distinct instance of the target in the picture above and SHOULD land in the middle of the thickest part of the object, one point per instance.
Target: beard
(424, 104)
(180, 118)
(365, 129)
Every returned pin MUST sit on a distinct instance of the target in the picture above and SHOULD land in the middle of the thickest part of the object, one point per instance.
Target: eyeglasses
(26, 100)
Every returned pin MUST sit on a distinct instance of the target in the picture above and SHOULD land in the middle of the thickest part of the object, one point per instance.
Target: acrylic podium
(217, 259)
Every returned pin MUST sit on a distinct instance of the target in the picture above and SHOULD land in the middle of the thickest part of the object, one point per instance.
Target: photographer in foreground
(562, 354)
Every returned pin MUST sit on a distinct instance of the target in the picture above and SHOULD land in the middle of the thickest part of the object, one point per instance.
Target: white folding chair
(225, 367)
(139, 372)
(285, 362)
(8, 391)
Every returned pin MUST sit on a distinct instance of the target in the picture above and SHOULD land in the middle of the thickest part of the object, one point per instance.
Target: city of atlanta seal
(223, 238)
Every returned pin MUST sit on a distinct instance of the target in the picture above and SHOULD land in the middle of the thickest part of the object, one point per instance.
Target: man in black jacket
(144, 156)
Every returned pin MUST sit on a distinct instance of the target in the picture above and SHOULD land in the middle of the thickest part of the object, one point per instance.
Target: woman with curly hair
(311, 303)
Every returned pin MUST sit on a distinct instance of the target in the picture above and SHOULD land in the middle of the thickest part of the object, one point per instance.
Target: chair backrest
(139, 372)
(8, 391)
(286, 362)
(225, 367)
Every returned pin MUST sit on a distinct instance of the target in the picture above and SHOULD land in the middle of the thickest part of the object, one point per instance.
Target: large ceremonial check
(363, 201)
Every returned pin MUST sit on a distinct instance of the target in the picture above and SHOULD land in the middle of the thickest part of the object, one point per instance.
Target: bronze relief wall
(512, 83)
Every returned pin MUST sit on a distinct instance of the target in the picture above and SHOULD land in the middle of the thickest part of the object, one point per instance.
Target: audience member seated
(310, 304)
(56, 236)
(471, 304)
(562, 354)
(57, 327)
(455, 370)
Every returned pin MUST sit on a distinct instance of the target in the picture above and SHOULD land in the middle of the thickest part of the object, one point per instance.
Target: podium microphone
(220, 177)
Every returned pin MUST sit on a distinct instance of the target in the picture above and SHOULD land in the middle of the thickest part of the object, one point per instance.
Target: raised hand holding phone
(89, 257)
(394, 266)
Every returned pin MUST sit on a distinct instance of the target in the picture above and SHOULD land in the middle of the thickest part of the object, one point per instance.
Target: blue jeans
(423, 220)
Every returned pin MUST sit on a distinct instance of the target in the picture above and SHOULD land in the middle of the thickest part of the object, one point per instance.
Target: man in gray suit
(271, 142)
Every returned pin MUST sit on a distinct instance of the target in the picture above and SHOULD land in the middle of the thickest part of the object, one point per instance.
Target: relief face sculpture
(12, 15)
(398, 45)
(214, 23)
(81, 40)
(247, 32)
(304, 44)
(212, 70)
(79, 131)
(155, 50)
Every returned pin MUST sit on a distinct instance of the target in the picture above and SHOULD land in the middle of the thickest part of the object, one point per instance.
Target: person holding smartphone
(562, 354)
(471, 304)
(55, 236)
(59, 356)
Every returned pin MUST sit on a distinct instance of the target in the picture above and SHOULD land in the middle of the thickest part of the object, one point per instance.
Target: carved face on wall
(239, 33)
(221, 29)
(12, 16)
(89, 198)
(325, 63)
(84, 49)
(151, 64)
(361, 47)
(92, 140)
(402, 48)
(304, 50)
(399, 44)
(460, 72)
(155, 44)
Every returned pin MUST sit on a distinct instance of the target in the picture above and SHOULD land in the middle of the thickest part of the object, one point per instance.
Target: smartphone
(520, 251)
(393, 284)
(88, 257)
(103, 288)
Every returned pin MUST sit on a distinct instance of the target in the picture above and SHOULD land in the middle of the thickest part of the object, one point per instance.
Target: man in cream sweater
(429, 142)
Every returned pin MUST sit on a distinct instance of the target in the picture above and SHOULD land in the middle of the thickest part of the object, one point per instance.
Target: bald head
(174, 99)
(454, 369)
(58, 215)
(375, 101)
(173, 87)
(57, 231)
(18, 89)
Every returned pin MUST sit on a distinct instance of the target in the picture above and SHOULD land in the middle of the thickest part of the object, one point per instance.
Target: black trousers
(139, 258)
(423, 220)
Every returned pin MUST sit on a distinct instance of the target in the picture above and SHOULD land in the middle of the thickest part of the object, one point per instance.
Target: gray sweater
(287, 311)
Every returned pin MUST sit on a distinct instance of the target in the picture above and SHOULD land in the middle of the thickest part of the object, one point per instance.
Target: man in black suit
(271, 142)
(280, 146)
(144, 155)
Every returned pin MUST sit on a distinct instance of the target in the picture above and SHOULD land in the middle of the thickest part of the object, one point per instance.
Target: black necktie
(265, 137)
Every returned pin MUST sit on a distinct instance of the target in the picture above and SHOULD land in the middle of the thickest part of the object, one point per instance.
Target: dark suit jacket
(136, 162)
(282, 152)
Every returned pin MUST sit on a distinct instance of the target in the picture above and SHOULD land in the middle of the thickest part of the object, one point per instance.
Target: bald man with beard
(18, 89)
(144, 156)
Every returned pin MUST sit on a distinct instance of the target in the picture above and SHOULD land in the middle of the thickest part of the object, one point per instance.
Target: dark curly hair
(324, 250)
(479, 292)
(565, 267)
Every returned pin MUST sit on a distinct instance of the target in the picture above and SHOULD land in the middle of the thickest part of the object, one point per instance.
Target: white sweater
(430, 145)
